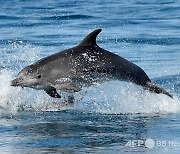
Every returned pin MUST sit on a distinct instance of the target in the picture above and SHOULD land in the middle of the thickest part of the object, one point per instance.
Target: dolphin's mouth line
(17, 82)
(21, 83)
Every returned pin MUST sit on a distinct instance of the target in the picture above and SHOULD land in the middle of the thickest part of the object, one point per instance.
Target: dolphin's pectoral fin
(52, 92)
(70, 88)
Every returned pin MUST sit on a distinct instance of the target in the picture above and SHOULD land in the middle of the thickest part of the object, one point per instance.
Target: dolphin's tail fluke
(156, 89)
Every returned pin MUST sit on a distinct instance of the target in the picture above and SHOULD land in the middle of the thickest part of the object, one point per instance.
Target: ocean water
(113, 117)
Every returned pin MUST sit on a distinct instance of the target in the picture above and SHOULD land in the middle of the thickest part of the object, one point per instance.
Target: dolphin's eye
(39, 76)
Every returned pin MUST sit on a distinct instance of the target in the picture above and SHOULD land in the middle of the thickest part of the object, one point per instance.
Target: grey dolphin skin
(82, 66)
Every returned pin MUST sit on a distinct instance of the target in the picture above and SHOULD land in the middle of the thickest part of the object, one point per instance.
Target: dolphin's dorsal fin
(91, 38)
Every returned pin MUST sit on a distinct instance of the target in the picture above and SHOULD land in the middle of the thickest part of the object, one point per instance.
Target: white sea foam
(117, 97)
(108, 98)
(112, 97)
(14, 99)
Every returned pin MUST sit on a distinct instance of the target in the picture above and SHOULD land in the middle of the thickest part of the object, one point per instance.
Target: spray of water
(112, 97)
(117, 97)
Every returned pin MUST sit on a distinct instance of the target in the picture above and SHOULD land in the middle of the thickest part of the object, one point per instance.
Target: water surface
(113, 117)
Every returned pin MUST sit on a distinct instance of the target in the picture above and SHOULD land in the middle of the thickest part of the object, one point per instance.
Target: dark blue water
(113, 117)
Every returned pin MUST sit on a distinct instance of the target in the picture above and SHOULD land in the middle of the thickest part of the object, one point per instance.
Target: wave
(151, 41)
(66, 17)
(20, 24)
(8, 17)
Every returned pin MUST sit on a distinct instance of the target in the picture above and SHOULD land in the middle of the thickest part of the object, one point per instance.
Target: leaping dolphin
(82, 66)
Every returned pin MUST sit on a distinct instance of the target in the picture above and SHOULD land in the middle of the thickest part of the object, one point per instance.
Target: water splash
(15, 99)
(113, 97)
(117, 97)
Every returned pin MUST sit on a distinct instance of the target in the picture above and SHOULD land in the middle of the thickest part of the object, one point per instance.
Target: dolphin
(81, 66)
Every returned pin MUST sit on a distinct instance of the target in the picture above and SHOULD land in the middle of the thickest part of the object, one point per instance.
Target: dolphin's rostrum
(82, 66)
